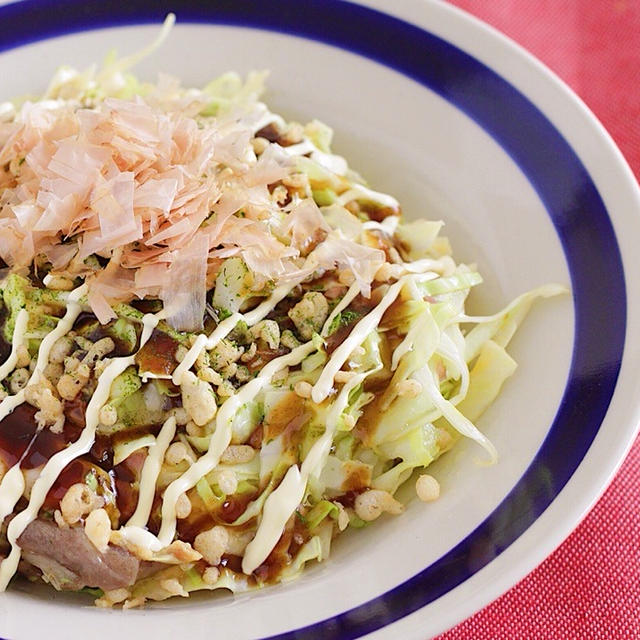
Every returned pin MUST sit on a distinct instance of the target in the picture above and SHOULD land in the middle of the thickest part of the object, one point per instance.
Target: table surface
(590, 587)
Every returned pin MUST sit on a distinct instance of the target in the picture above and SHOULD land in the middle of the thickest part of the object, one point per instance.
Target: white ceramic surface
(410, 142)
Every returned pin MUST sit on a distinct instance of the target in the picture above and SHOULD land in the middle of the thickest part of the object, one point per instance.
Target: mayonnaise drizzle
(388, 225)
(150, 472)
(60, 460)
(63, 327)
(360, 192)
(122, 451)
(226, 327)
(267, 119)
(324, 384)
(415, 333)
(347, 299)
(402, 349)
(276, 511)
(11, 488)
(330, 161)
(301, 148)
(444, 265)
(281, 504)
(13, 484)
(138, 537)
(145, 376)
(221, 437)
(17, 341)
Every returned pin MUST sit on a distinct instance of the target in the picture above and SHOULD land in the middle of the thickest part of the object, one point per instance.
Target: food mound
(220, 348)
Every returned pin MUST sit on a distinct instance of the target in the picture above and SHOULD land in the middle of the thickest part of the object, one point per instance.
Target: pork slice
(35, 565)
(69, 561)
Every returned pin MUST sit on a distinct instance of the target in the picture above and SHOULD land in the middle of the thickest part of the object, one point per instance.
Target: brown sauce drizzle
(102, 452)
(278, 559)
(76, 471)
(147, 305)
(301, 535)
(126, 477)
(45, 445)
(88, 326)
(256, 438)
(338, 337)
(231, 562)
(158, 354)
(377, 212)
(155, 517)
(358, 477)
(272, 133)
(281, 310)
(234, 506)
(197, 522)
(294, 434)
(263, 357)
(348, 499)
(368, 421)
(360, 306)
(284, 416)
(16, 432)
(19, 436)
(295, 535)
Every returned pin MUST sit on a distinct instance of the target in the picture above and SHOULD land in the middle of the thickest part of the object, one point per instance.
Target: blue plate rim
(528, 137)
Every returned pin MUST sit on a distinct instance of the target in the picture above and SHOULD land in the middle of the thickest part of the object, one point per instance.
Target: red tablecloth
(590, 587)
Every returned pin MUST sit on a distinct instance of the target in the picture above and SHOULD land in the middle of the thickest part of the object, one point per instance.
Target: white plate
(459, 123)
